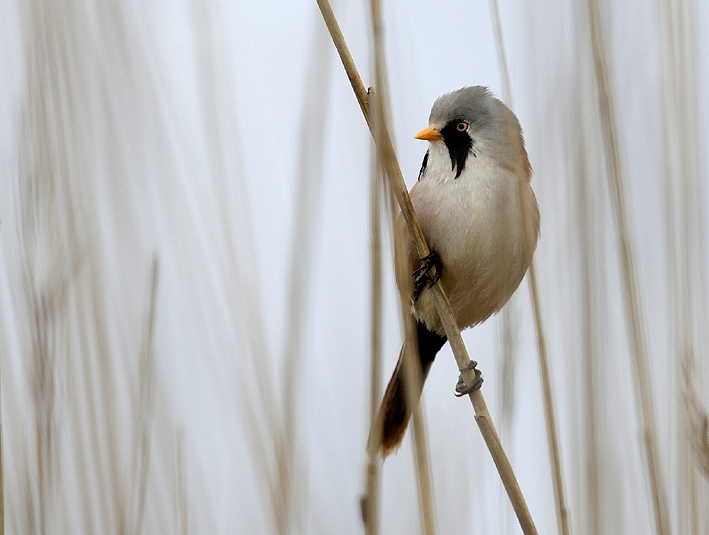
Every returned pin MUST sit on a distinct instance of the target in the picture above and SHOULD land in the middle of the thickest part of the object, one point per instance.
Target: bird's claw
(461, 388)
(421, 275)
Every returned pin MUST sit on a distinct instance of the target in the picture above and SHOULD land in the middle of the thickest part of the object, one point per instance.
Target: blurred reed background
(185, 267)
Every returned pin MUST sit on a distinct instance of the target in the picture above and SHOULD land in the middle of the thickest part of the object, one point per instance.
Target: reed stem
(398, 186)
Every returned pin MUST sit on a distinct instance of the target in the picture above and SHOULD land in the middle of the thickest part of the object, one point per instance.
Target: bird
(480, 218)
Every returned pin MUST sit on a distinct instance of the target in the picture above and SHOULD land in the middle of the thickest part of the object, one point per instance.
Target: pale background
(181, 134)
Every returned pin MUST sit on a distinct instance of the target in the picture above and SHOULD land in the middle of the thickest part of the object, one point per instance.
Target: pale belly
(484, 236)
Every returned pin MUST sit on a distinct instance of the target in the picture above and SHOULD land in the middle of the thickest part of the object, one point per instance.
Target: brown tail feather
(394, 415)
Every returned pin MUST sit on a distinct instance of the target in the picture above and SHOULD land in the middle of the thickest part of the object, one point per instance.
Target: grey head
(473, 123)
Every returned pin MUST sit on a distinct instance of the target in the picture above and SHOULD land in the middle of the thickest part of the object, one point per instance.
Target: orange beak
(429, 134)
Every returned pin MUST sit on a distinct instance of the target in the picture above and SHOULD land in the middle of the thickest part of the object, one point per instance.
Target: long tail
(393, 416)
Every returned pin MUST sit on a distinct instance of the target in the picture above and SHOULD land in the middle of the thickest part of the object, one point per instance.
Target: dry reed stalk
(632, 307)
(698, 420)
(693, 438)
(51, 211)
(225, 164)
(509, 328)
(412, 375)
(143, 423)
(412, 378)
(550, 417)
(509, 315)
(264, 417)
(370, 503)
(685, 248)
(562, 516)
(482, 415)
(589, 328)
(501, 55)
(306, 209)
(279, 439)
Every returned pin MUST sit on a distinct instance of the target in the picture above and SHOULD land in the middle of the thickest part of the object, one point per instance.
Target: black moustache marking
(459, 145)
(423, 165)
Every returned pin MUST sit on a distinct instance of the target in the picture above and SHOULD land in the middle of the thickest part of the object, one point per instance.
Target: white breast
(477, 224)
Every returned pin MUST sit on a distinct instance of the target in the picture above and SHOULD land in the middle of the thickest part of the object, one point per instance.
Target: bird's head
(473, 123)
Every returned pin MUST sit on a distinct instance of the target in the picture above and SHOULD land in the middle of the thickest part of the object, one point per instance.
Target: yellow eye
(462, 126)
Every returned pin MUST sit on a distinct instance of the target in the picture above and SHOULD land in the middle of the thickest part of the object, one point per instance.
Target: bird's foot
(421, 275)
(461, 388)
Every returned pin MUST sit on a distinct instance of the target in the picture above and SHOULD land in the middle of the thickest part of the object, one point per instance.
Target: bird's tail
(394, 414)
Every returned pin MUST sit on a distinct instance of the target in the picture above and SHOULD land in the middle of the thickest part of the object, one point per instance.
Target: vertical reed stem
(632, 307)
(371, 499)
(412, 377)
(550, 417)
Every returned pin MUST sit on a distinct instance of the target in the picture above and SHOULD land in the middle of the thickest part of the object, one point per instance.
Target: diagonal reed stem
(633, 310)
(398, 186)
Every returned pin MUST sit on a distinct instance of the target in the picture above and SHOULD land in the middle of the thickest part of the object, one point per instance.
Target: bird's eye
(462, 126)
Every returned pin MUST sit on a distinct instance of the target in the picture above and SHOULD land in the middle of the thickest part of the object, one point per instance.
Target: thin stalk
(307, 208)
(550, 417)
(398, 186)
(589, 335)
(142, 448)
(412, 377)
(370, 510)
(562, 516)
(501, 56)
(684, 225)
(632, 307)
